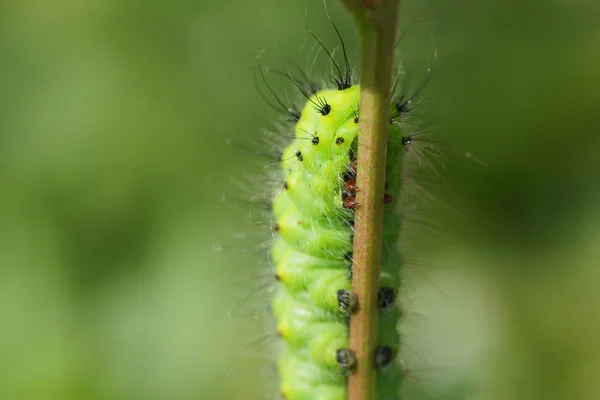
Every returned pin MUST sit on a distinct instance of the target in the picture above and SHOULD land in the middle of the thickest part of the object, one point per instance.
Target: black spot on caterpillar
(346, 301)
(383, 356)
(346, 359)
(386, 297)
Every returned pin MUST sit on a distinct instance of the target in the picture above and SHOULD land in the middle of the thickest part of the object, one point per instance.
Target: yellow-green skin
(310, 252)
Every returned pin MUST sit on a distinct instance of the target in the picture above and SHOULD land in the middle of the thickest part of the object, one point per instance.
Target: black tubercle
(299, 155)
(339, 140)
(355, 112)
(406, 140)
(383, 356)
(347, 301)
(403, 106)
(385, 297)
(325, 110)
(346, 360)
(315, 140)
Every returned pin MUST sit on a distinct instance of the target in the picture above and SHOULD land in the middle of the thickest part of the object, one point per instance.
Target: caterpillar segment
(312, 253)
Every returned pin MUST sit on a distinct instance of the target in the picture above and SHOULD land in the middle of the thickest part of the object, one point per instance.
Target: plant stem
(376, 20)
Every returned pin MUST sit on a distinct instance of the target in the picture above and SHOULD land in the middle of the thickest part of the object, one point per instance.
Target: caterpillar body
(312, 249)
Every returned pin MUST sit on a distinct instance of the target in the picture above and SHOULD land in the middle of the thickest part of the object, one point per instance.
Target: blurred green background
(126, 256)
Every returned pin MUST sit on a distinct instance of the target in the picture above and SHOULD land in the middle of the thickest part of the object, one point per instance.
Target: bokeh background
(126, 255)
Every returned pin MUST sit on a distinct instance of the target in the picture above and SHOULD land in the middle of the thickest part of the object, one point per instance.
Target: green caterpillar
(312, 250)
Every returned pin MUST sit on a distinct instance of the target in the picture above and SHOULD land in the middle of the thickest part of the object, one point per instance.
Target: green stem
(376, 20)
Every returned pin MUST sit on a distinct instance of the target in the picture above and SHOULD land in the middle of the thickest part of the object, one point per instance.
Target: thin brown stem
(376, 20)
